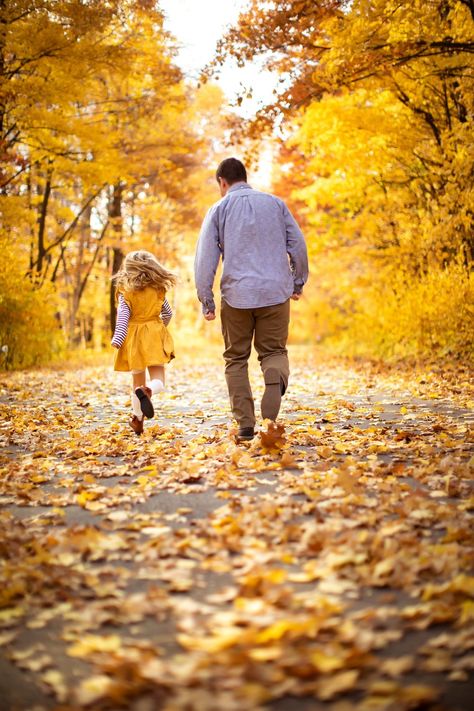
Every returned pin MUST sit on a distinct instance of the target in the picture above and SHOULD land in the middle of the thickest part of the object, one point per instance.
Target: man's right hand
(210, 316)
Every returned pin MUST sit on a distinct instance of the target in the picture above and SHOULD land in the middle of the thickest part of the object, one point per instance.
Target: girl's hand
(115, 345)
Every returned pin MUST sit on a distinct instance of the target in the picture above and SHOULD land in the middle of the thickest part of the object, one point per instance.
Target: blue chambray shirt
(263, 250)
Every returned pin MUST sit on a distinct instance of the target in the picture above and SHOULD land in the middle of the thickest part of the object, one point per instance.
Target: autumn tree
(98, 147)
(378, 97)
(46, 51)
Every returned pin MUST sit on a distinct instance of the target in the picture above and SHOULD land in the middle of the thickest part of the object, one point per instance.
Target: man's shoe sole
(271, 399)
(245, 436)
(146, 404)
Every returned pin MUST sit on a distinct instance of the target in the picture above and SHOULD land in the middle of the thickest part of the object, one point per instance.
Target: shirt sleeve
(166, 312)
(296, 248)
(208, 253)
(121, 324)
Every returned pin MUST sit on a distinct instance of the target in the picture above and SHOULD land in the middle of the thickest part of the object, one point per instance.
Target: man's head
(228, 172)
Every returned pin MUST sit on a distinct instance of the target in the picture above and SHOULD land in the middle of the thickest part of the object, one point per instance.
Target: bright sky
(197, 25)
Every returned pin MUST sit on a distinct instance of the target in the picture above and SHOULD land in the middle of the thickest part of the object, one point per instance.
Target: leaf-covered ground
(330, 567)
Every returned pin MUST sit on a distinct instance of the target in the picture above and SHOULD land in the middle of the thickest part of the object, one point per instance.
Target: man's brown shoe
(271, 399)
(136, 425)
(144, 395)
(245, 434)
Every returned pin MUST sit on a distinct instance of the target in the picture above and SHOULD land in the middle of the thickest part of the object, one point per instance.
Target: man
(264, 264)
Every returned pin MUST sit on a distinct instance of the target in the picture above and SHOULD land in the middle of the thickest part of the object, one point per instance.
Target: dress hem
(148, 365)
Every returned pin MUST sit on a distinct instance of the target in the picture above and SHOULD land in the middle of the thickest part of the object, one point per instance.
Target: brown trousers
(269, 326)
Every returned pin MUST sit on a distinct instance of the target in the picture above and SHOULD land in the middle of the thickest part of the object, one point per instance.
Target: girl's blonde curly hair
(141, 269)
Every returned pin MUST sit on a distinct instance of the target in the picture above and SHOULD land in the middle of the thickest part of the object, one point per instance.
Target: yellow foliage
(388, 212)
(378, 102)
(105, 149)
(29, 330)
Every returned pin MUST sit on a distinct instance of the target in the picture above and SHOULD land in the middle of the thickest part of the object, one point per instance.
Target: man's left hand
(296, 297)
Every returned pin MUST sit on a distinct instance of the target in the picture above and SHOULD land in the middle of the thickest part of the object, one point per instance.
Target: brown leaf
(344, 681)
(273, 438)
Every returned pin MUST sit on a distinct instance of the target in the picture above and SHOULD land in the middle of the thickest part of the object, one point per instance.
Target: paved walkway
(327, 568)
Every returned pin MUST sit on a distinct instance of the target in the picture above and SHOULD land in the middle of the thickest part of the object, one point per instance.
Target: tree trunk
(84, 227)
(42, 225)
(3, 34)
(115, 214)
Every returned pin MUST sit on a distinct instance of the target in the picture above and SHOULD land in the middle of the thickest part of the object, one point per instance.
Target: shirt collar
(239, 186)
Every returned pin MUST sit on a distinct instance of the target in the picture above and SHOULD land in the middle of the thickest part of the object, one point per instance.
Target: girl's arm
(166, 313)
(121, 325)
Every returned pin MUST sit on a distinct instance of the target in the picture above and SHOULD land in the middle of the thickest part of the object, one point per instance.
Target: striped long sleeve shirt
(123, 317)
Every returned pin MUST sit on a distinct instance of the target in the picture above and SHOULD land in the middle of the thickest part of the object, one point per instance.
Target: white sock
(137, 410)
(156, 386)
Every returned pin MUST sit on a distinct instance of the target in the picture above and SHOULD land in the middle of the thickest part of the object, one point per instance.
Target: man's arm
(205, 263)
(296, 248)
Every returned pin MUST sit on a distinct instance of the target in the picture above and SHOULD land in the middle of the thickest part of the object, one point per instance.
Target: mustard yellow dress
(148, 340)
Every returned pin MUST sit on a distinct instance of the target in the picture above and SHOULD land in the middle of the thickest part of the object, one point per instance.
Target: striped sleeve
(166, 312)
(121, 325)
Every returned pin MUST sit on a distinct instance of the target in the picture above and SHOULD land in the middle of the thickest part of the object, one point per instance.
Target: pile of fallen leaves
(328, 562)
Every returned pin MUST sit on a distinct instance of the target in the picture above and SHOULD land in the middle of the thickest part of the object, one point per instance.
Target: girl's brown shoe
(136, 425)
(144, 395)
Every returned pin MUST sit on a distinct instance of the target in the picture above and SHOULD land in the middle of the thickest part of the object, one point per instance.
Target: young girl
(141, 336)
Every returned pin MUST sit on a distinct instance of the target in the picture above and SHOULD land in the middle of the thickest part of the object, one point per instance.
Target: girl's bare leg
(138, 379)
(157, 372)
(141, 397)
(136, 423)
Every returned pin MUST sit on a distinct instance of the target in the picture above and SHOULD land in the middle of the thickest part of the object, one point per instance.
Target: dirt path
(329, 569)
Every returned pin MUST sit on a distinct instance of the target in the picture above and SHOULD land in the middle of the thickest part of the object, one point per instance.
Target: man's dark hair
(232, 170)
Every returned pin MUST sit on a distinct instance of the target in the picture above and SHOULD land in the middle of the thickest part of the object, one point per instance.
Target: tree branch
(92, 263)
(73, 223)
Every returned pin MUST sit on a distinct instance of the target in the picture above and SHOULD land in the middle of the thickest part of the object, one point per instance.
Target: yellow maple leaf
(226, 638)
(93, 689)
(95, 643)
(344, 681)
(325, 663)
